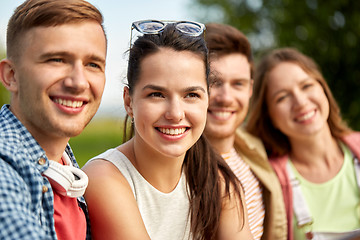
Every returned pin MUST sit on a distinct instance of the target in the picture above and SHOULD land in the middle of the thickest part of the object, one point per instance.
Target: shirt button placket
(42, 161)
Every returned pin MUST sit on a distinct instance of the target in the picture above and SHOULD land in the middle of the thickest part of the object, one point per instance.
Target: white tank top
(165, 215)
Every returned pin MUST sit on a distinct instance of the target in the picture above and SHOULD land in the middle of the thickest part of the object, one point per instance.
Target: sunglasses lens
(189, 28)
(150, 27)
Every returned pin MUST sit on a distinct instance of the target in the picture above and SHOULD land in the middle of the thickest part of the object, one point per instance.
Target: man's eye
(94, 65)
(216, 83)
(55, 60)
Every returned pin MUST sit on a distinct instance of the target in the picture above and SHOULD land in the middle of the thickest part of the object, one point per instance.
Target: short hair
(222, 39)
(259, 121)
(46, 13)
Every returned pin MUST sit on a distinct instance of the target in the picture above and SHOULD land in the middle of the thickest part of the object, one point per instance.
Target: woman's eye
(307, 85)
(280, 99)
(192, 95)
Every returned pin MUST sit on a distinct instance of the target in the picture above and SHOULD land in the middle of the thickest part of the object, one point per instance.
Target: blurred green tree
(4, 94)
(328, 31)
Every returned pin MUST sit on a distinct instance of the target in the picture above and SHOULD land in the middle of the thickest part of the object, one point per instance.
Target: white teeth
(222, 114)
(172, 131)
(306, 116)
(68, 103)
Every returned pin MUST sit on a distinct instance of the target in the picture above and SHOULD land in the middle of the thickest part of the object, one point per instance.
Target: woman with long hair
(165, 182)
(313, 152)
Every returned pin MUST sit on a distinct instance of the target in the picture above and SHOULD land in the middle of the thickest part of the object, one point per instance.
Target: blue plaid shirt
(26, 197)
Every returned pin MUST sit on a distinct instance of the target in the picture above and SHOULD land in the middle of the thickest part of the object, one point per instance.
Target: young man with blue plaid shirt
(55, 72)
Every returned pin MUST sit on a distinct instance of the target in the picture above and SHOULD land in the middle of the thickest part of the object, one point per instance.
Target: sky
(118, 16)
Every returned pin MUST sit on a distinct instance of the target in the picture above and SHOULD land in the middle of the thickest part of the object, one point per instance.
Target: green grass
(97, 137)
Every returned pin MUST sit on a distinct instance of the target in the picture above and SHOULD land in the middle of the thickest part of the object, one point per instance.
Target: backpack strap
(301, 210)
(357, 170)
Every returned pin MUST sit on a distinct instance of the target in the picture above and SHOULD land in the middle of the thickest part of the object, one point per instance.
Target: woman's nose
(175, 111)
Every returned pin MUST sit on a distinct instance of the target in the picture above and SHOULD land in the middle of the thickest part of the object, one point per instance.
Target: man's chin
(218, 132)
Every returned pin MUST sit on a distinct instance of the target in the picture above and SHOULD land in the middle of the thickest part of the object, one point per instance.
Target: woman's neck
(317, 158)
(162, 172)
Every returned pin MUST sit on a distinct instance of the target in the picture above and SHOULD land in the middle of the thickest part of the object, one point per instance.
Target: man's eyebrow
(243, 79)
(67, 54)
(97, 58)
(54, 54)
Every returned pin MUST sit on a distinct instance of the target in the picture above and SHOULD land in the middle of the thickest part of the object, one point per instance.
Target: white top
(165, 215)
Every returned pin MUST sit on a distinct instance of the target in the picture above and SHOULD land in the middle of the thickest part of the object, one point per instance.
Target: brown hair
(205, 170)
(223, 39)
(46, 13)
(259, 121)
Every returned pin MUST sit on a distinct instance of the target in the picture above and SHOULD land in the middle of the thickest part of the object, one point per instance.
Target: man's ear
(128, 101)
(7, 75)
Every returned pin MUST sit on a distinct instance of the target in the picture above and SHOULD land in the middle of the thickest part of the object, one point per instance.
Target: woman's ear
(7, 75)
(128, 101)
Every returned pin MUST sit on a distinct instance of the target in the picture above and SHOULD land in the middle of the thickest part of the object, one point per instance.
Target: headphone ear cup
(66, 180)
(80, 183)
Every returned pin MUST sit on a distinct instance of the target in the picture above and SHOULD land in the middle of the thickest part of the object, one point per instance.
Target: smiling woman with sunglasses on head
(165, 182)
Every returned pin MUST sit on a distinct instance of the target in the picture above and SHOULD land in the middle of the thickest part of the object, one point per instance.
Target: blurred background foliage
(327, 31)
(101, 134)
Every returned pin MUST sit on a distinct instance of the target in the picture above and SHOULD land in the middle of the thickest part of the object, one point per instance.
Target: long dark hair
(205, 170)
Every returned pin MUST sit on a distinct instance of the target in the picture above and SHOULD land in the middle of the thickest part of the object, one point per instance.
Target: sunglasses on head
(190, 28)
(154, 27)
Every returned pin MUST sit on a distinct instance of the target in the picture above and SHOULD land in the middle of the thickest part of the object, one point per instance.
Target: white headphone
(67, 180)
